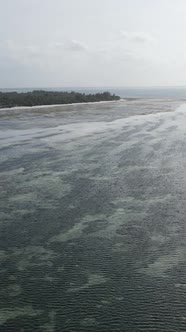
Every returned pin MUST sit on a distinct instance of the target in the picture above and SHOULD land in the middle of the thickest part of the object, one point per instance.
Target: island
(42, 97)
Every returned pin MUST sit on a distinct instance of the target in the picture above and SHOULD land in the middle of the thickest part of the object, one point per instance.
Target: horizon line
(96, 87)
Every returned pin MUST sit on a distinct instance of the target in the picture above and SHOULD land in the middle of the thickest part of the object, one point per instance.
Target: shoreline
(85, 103)
(62, 105)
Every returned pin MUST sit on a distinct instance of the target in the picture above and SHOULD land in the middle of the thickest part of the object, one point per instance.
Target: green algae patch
(88, 322)
(165, 263)
(50, 326)
(10, 314)
(33, 256)
(116, 221)
(14, 290)
(77, 230)
(93, 279)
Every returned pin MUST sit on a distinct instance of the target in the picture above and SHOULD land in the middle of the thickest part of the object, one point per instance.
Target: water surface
(92, 217)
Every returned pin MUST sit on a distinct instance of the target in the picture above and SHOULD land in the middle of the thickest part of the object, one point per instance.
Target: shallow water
(92, 217)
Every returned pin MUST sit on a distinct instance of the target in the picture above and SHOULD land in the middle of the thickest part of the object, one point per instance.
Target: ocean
(92, 217)
(123, 92)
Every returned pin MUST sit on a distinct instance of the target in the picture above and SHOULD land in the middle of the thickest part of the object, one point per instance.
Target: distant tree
(41, 97)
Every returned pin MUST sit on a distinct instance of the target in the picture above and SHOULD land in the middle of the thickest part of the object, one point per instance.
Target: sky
(92, 43)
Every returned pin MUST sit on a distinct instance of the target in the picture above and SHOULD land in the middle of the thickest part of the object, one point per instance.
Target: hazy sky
(60, 43)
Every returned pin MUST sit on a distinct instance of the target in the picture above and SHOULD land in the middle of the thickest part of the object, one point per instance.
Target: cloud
(21, 51)
(75, 46)
(40, 54)
(70, 45)
(137, 37)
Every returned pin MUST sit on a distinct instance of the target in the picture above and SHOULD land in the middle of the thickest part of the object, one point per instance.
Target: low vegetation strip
(40, 97)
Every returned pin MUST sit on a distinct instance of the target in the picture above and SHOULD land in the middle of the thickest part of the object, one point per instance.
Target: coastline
(61, 105)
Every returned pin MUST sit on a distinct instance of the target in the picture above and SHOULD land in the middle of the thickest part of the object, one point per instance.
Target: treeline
(40, 97)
